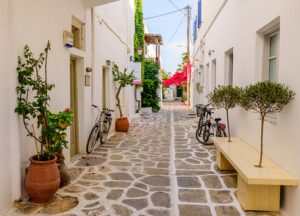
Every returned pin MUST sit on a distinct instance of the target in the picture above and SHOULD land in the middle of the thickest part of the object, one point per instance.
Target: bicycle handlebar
(109, 110)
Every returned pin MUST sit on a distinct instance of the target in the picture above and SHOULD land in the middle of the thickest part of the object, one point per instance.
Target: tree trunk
(228, 128)
(261, 140)
(118, 101)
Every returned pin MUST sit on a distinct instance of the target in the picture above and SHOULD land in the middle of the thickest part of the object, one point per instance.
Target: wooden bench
(258, 188)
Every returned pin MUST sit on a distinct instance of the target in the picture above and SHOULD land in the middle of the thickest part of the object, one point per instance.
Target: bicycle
(210, 126)
(100, 129)
(202, 113)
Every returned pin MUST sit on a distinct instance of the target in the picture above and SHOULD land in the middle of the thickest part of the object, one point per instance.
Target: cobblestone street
(158, 168)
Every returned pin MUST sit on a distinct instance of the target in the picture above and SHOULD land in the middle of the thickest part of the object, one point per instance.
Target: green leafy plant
(150, 85)
(266, 97)
(33, 103)
(139, 41)
(225, 97)
(124, 79)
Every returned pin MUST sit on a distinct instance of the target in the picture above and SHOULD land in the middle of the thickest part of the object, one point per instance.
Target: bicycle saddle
(218, 119)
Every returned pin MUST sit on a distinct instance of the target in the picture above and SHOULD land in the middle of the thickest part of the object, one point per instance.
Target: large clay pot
(122, 125)
(42, 180)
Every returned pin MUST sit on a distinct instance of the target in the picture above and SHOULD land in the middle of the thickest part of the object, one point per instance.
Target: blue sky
(166, 26)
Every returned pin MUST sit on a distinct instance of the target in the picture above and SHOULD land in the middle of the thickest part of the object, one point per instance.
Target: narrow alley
(157, 168)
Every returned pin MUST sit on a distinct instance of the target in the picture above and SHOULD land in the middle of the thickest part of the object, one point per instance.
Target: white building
(232, 47)
(104, 34)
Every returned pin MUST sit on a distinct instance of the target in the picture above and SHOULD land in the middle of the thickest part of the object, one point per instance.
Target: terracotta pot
(122, 125)
(42, 180)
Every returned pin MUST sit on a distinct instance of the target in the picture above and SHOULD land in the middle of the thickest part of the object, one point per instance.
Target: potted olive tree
(264, 98)
(226, 97)
(123, 79)
(43, 178)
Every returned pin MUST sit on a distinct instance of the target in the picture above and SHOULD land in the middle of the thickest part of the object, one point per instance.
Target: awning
(94, 3)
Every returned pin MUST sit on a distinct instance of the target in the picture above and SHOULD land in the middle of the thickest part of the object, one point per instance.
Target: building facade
(243, 42)
(103, 33)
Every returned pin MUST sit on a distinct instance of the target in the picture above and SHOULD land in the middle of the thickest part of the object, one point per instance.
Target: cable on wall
(102, 21)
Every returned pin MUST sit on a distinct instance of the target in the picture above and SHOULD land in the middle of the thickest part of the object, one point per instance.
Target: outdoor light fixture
(88, 69)
(140, 51)
(210, 52)
(131, 58)
(108, 63)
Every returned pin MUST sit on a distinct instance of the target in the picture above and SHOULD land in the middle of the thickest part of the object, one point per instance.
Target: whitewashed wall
(30, 22)
(114, 43)
(34, 22)
(236, 27)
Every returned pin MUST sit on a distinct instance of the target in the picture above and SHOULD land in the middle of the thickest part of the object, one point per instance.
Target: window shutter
(195, 30)
(199, 13)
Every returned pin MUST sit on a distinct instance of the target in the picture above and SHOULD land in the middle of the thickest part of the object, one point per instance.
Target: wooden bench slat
(244, 157)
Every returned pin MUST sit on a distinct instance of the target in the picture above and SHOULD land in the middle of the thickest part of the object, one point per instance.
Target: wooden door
(73, 90)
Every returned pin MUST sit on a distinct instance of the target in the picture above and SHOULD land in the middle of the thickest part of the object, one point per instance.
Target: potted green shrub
(123, 79)
(42, 179)
(264, 98)
(225, 97)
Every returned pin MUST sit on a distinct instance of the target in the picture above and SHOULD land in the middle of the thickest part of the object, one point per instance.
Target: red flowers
(178, 77)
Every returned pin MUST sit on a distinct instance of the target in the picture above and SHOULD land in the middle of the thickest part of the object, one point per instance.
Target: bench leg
(222, 162)
(258, 197)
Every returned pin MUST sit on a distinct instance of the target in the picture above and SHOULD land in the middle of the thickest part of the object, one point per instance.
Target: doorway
(74, 106)
(106, 87)
(213, 74)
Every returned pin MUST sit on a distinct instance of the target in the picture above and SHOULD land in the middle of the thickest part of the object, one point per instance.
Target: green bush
(266, 97)
(150, 85)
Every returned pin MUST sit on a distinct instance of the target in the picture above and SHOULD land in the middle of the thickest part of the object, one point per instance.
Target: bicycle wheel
(224, 133)
(105, 126)
(92, 139)
(205, 135)
(199, 133)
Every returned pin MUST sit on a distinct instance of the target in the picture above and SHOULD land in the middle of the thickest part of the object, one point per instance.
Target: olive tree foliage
(264, 98)
(225, 97)
(123, 79)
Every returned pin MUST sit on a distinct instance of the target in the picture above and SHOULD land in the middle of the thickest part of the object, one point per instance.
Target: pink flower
(68, 110)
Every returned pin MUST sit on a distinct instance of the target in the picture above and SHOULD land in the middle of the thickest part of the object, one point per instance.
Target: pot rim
(32, 160)
(122, 118)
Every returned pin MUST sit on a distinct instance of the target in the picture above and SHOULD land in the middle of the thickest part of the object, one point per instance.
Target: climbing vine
(139, 33)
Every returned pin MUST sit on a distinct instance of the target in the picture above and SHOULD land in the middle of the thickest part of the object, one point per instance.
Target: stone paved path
(158, 168)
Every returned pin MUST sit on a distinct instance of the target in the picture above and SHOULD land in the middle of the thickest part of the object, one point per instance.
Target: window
(78, 31)
(273, 40)
(229, 67)
(267, 55)
(207, 79)
(272, 65)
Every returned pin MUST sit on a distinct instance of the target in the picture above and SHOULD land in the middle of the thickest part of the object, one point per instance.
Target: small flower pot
(42, 180)
(122, 125)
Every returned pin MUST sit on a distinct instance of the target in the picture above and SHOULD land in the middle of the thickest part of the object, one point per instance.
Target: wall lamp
(210, 52)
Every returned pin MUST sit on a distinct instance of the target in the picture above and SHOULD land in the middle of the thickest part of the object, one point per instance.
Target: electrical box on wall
(199, 88)
(68, 39)
(87, 79)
